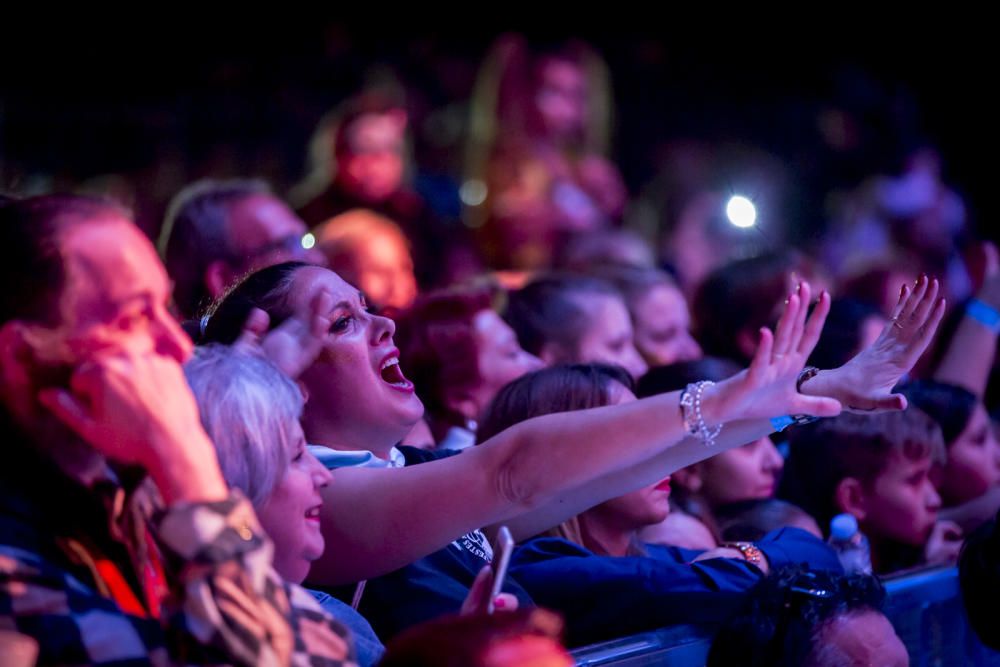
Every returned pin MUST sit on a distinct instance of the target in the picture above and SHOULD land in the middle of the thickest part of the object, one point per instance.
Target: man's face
(264, 231)
(901, 504)
(114, 298)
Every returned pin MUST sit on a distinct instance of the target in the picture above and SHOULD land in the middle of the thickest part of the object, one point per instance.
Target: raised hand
(864, 384)
(137, 409)
(768, 387)
(295, 343)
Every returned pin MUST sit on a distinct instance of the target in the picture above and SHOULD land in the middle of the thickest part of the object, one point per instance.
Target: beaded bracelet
(694, 421)
(985, 314)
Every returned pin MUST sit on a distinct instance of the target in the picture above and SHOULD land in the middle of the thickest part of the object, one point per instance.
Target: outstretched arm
(554, 466)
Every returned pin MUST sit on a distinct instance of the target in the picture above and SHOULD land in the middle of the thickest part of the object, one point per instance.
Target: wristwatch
(749, 550)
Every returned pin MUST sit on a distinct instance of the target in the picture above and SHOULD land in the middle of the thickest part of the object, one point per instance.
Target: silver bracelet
(694, 421)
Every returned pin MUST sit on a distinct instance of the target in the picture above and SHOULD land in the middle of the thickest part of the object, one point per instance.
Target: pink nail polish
(499, 602)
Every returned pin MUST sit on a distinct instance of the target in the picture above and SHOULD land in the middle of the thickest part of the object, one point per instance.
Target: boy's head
(875, 467)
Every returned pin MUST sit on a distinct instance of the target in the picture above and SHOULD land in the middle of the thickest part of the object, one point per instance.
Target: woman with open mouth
(536, 474)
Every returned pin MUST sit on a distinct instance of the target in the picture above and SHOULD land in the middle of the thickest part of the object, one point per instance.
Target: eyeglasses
(293, 244)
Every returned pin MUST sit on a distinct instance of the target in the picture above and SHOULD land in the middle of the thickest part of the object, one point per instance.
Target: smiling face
(358, 395)
(290, 515)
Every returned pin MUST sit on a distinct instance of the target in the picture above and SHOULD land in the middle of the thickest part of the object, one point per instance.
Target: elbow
(518, 481)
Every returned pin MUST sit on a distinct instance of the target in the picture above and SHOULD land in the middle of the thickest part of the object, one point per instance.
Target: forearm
(969, 357)
(687, 452)
(421, 509)
(217, 562)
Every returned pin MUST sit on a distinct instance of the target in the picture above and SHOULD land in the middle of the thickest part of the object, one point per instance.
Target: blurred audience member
(750, 520)
(850, 327)
(459, 353)
(217, 231)
(372, 253)
(972, 459)
(606, 247)
(735, 301)
(538, 139)
(659, 313)
(564, 318)
(803, 618)
(358, 159)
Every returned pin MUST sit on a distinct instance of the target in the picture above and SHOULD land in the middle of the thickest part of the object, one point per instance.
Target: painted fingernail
(499, 602)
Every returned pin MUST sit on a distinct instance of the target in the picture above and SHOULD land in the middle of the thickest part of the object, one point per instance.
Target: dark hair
(841, 336)
(673, 377)
(30, 255)
(547, 310)
(266, 289)
(462, 641)
(828, 451)
(949, 405)
(556, 389)
(437, 341)
(196, 233)
(750, 520)
(741, 296)
(634, 282)
(979, 578)
(781, 623)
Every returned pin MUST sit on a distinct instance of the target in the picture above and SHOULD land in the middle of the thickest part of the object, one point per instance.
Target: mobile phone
(502, 549)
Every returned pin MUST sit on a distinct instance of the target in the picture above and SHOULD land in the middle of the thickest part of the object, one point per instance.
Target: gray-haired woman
(251, 411)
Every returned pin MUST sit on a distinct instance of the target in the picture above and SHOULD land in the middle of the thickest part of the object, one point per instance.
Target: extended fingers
(926, 303)
(913, 300)
(762, 358)
(817, 406)
(926, 333)
(799, 324)
(814, 327)
(786, 325)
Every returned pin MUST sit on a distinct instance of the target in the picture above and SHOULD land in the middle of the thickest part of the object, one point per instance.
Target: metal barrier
(925, 607)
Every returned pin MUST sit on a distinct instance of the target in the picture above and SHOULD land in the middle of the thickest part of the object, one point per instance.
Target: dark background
(158, 102)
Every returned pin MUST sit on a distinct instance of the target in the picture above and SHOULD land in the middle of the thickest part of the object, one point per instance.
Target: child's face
(900, 504)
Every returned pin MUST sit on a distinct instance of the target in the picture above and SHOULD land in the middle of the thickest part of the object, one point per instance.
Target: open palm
(865, 383)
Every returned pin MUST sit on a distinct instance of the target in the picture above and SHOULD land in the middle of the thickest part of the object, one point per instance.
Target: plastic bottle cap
(843, 527)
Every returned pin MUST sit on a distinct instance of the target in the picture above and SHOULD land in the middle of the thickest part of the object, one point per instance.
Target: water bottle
(850, 545)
